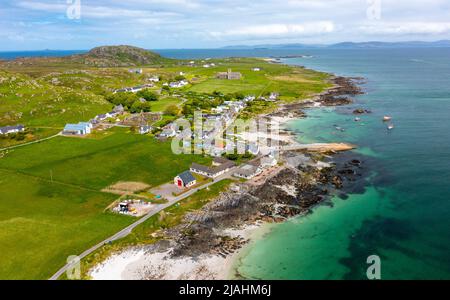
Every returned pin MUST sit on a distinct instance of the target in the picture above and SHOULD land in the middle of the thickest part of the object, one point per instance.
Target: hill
(104, 56)
(119, 56)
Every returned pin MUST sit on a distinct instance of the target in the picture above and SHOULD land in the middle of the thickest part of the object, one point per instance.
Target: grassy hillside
(293, 83)
(36, 103)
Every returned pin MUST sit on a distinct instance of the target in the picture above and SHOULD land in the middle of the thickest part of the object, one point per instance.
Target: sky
(163, 24)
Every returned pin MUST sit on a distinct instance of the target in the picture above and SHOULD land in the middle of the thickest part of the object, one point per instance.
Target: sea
(400, 214)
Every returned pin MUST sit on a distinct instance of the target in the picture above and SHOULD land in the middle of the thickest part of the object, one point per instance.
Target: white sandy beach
(141, 264)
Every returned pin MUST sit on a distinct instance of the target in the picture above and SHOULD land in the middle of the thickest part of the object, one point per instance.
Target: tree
(179, 78)
(166, 88)
(126, 99)
(239, 96)
(172, 110)
(148, 95)
(139, 106)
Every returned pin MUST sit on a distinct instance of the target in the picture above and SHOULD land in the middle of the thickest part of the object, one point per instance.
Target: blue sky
(55, 24)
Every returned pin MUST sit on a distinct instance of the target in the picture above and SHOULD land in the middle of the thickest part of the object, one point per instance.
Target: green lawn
(163, 103)
(44, 221)
(291, 82)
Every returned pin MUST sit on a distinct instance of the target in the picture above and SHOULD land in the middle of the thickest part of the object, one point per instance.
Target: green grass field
(163, 103)
(44, 221)
(291, 82)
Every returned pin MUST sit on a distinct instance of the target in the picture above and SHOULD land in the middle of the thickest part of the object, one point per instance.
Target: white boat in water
(387, 119)
(390, 127)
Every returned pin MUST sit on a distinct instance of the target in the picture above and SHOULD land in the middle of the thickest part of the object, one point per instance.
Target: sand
(142, 264)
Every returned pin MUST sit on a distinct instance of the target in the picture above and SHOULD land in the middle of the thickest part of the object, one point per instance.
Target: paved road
(124, 232)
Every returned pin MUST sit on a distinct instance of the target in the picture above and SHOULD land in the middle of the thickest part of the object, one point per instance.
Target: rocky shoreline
(304, 181)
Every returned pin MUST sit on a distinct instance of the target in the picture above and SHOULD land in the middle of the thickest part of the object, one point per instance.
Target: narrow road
(126, 231)
(30, 143)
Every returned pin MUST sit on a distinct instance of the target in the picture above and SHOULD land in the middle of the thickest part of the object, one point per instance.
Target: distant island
(349, 45)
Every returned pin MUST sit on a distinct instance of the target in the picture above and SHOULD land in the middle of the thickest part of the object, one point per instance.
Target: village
(198, 176)
(96, 144)
(211, 143)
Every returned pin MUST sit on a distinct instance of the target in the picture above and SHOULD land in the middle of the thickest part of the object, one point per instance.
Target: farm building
(81, 128)
(11, 129)
(185, 180)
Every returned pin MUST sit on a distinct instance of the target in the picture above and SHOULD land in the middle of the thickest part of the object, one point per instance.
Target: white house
(168, 133)
(144, 129)
(178, 84)
(274, 96)
(154, 79)
(136, 71)
(247, 172)
(249, 98)
(268, 162)
(105, 116)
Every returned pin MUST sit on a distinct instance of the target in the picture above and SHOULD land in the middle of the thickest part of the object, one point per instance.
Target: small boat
(390, 127)
(387, 119)
(340, 128)
(357, 119)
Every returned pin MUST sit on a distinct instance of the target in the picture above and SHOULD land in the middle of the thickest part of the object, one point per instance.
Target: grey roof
(6, 129)
(213, 170)
(220, 160)
(247, 170)
(118, 108)
(187, 177)
(252, 148)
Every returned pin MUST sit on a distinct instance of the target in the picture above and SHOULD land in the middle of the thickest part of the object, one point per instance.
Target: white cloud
(210, 23)
(277, 30)
(406, 28)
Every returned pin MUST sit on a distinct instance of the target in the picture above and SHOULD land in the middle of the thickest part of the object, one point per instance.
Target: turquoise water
(403, 214)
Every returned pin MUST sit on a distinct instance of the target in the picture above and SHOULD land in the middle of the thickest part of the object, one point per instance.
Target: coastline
(224, 228)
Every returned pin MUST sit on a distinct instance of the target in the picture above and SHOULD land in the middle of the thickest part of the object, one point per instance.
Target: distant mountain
(413, 44)
(350, 45)
(278, 46)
